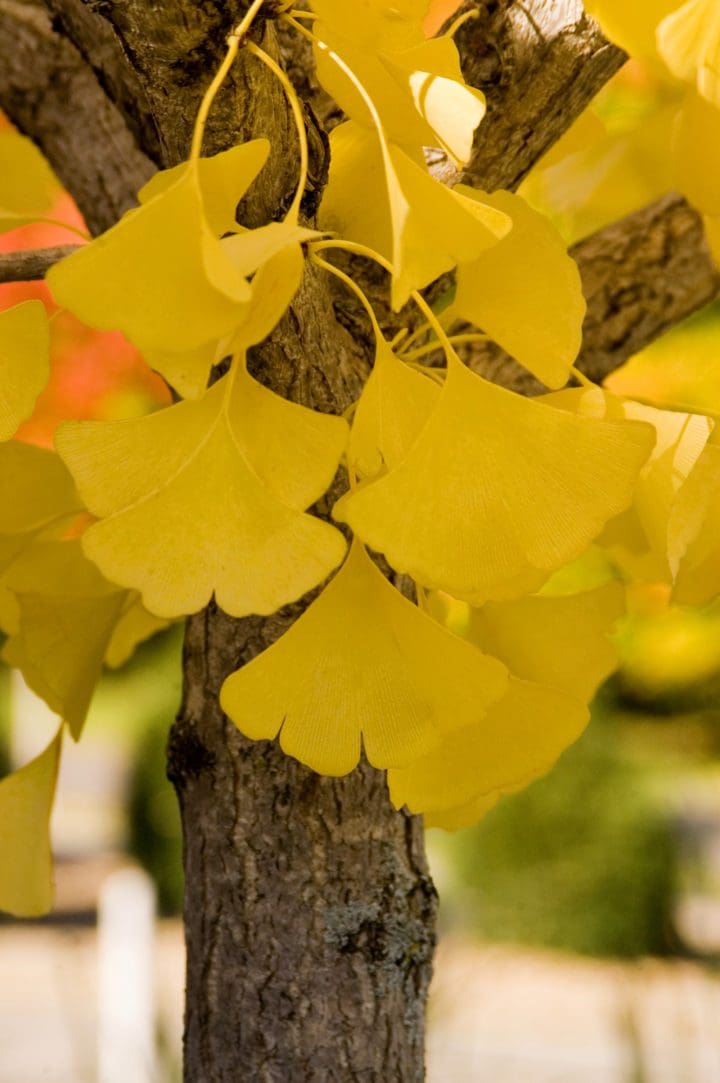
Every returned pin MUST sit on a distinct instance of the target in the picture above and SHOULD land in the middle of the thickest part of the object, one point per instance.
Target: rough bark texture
(33, 264)
(539, 63)
(52, 95)
(309, 911)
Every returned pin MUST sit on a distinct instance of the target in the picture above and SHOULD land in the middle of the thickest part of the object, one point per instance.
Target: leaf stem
(460, 21)
(62, 225)
(583, 379)
(234, 42)
(456, 340)
(417, 297)
(299, 118)
(351, 285)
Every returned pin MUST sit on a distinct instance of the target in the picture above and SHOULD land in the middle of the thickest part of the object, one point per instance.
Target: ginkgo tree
(332, 474)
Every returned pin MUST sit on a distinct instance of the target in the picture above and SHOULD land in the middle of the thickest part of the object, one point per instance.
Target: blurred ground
(497, 1015)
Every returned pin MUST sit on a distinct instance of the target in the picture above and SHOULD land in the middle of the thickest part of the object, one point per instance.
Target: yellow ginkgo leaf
(695, 525)
(631, 25)
(498, 491)
(421, 226)
(26, 799)
(192, 506)
(67, 614)
(374, 24)
(28, 186)
(159, 275)
(395, 404)
(188, 371)
(561, 641)
(273, 287)
(648, 539)
(362, 664)
(696, 153)
(35, 489)
(451, 109)
(250, 249)
(224, 180)
(519, 738)
(454, 819)
(418, 94)
(24, 363)
(525, 291)
(689, 43)
(134, 626)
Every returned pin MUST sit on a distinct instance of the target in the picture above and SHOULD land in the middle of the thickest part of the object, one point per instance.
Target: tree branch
(540, 63)
(33, 264)
(52, 96)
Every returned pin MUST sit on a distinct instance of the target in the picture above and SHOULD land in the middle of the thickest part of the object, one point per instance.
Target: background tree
(309, 909)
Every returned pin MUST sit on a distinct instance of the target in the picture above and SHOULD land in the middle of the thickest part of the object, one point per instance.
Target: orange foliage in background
(93, 374)
(438, 12)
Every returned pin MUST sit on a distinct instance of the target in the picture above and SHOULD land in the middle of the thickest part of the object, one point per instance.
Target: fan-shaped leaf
(520, 737)
(361, 660)
(159, 275)
(560, 641)
(224, 179)
(497, 491)
(26, 798)
(394, 406)
(525, 291)
(193, 499)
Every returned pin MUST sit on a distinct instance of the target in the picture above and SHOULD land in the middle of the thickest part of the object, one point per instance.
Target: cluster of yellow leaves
(478, 494)
(403, 94)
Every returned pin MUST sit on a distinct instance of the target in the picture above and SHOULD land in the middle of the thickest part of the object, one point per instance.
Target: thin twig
(33, 264)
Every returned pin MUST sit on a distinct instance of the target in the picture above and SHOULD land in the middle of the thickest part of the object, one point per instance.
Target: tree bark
(309, 910)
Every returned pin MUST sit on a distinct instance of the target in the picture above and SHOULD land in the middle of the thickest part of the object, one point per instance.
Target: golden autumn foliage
(474, 492)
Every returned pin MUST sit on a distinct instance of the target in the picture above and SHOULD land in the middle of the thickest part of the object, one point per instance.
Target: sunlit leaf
(419, 94)
(689, 42)
(697, 525)
(374, 23)
(26, 798)
(362, 661)
(159, 275)
(24, 363)
(395, 404)
(420, 225)
(525, 291)
(498, 491)
(648, 539)
(28, 187)
(519, 738)
(561, 641)
(696, 153)
(631, 25)
(193, 499)
(224, 180)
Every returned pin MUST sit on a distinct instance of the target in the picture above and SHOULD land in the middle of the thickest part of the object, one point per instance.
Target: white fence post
(126, 983)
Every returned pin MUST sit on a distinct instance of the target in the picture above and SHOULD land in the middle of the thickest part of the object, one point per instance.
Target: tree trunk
(309, 910)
